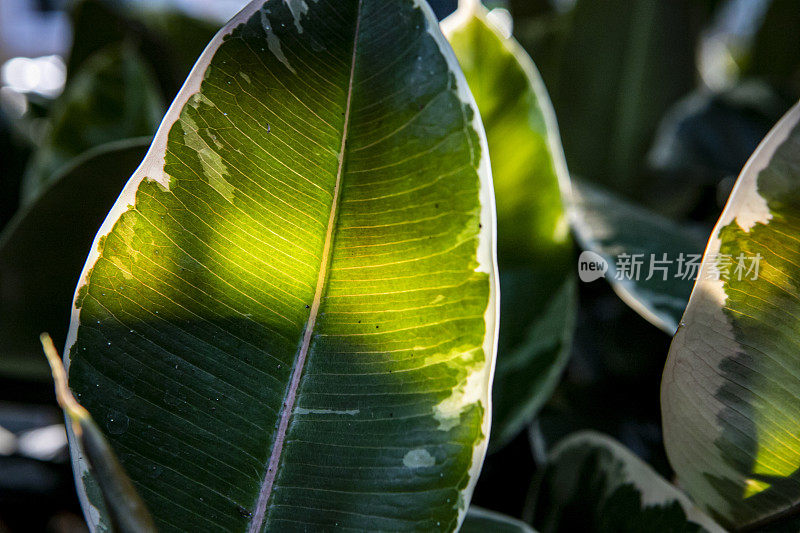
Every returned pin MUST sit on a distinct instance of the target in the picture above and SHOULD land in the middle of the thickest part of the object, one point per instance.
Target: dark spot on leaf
(244, 512)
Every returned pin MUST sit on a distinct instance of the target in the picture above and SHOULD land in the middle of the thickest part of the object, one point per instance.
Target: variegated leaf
(288, 321)
(730, 395)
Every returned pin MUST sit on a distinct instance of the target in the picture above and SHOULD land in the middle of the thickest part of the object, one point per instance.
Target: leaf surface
(125, 507)
(592, 483)
(288, 318)
(534, 246)
(652, 261)
(729, 395)
(618, 67)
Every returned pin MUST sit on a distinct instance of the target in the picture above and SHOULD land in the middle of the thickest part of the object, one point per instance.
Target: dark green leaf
(591, 483)
(43, 248)
(168, 40)
(619, 67)
(615, 229)
(123, 504)
(775, 55)
(288, 319)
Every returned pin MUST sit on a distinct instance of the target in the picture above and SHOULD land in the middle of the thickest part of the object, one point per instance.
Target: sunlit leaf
(534, 246)
(44, 247)
(112, 97)
(652, 261)
(730, 390)
(592, 483)
(288, 318)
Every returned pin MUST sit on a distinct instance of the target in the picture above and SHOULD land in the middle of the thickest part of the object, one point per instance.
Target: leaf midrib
(291, 393)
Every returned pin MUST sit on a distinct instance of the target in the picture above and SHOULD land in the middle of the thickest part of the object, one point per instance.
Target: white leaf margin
(478, 385)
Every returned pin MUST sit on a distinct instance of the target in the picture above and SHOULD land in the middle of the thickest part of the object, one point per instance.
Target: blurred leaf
(113, 97)
(43, 249)
(615, 229)
(535, 251)
(620, 365)
(731, 384)
(97, 24)
(123, 504)
(775, 54)
(290, 311)
(172, 43)
(523, 9)
(619, 67)
(442, 8)
(168, 40)
(591, 483)
(15, 155)
(703, 142)
(484, 521)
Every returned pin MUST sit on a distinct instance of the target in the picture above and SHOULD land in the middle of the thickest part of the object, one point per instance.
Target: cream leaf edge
(680, 400)
(653, 489)
(152, 168)
(481, 380)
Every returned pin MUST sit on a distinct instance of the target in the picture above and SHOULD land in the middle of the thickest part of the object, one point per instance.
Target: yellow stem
(66, 400)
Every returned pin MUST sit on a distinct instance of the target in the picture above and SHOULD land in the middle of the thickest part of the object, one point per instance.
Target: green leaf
(288, 318)
(127, 511)
(619, 66)
(44, 247)
(620, 232)
(775, 56)
(97, 24)
(729, 395)
(112, 97)
(168, 40)
(703, 142)
(535, 250)
(484, 521)
(592, 483)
